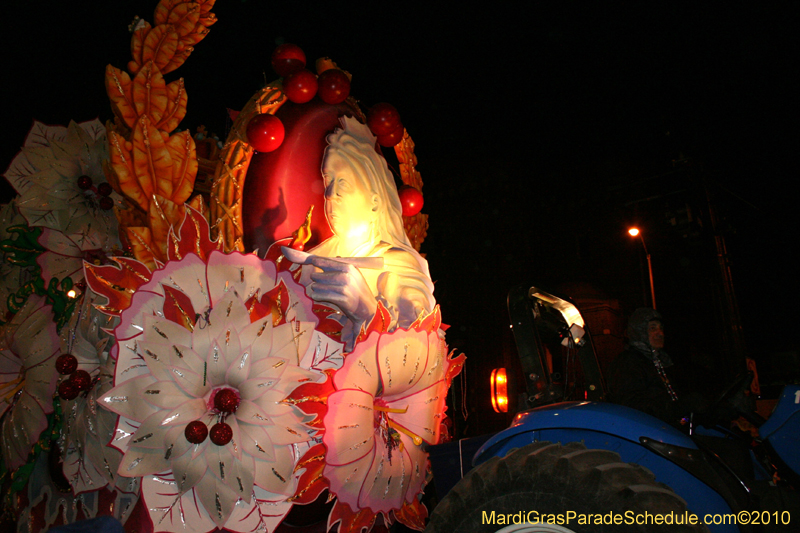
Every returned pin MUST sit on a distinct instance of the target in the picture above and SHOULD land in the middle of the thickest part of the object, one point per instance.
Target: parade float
(201, 338)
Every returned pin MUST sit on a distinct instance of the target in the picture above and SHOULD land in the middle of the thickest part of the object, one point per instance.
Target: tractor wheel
(551, 479)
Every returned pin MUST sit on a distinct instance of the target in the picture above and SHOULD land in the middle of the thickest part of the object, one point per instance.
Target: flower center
(225, 400)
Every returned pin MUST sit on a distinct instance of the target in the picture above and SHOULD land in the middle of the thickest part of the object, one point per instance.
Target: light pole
(634, 232)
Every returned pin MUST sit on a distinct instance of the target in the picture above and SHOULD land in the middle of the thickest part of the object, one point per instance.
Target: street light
(634, 232)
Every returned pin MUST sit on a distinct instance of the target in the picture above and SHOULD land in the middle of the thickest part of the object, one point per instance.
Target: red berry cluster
(103, 191)
(78, 381)
(300, 85)
(226, 401)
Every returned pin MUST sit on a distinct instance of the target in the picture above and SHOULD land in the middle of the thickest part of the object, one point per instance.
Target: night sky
(540, 136)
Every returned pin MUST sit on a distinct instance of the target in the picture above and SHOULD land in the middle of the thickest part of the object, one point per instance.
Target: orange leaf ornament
(150, 93)
(151, 163)
(119, 90)
(182, 152)
(176, 106)
(160, 46)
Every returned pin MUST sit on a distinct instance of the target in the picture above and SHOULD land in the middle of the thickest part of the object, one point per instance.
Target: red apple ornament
(288, 58)
(265, 132)
(383, 119)
(196, 432)
(226, 401)
(334, 86)
(67, 390)
(85, 183)
(392, 138)
(81, 379)
(66, 364)
(411, 200)
(221, 434)
(104, 189)
(300, 86)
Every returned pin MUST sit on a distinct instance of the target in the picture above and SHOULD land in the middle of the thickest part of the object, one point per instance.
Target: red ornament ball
(81, 379)
(106, 203)
(67, 390)
(411, 200)
(300, 86)
(288, 58)
(66, 364)
(196, 432)
(85, 183)
(226, 400)
(221, 434)
(334, 86)
(265, 132)
(391, 139)
(383, 119)
(104, 189)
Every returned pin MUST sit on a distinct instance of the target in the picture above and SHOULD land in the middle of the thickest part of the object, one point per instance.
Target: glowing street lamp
(634, 232)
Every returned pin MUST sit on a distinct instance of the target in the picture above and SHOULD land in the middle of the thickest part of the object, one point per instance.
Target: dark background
(540, 135)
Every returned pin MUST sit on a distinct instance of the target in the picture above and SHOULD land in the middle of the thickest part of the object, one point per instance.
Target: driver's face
(655, 332)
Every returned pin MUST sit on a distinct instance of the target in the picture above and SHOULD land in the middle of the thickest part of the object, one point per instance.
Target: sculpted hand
(340, 283)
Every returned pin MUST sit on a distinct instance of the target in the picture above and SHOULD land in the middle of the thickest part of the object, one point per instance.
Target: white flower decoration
(195, 329)
(28, 353)
(88, 463)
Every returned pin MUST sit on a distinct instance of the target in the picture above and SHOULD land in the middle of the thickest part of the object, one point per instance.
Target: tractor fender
(638, 438)
(623, 422)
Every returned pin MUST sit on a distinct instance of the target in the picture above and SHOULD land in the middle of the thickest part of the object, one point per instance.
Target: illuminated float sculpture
(196, 385)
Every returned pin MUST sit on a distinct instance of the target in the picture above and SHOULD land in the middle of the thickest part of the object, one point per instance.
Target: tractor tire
(553, 479)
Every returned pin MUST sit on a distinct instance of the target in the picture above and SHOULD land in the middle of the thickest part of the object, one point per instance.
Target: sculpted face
(349, 206)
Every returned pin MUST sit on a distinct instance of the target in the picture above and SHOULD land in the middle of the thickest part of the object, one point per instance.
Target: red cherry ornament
(411, 200)
(391, 139)
(66, 364)
(67, 390)
(221, 434)
(85, 183)
(104, 189)
(383, 119)
(81, 379)
(196, 432)
(226, 400)
(334, 86)
(300, 86)
(265, 132)
(288, 58)
(106, 203)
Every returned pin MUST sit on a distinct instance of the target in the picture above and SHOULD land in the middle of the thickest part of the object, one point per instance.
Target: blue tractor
(573, 466)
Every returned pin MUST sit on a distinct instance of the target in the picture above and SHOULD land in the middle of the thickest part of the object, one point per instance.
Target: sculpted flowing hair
(355, 144)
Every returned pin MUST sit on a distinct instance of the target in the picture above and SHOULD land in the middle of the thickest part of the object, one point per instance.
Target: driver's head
(645, 326)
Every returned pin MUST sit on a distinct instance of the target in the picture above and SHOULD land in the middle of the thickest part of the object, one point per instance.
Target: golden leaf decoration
(160, 46)
(164, 214)
(184, 17)
(118, 88)
(150, 93)
(151, 161)
(142, 246)
(176, 106)
(137, 47)
(123, 164)
(182, 151)
(132, 217)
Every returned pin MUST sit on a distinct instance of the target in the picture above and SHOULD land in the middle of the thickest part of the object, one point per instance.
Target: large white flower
(12, 276)
(88, 463)
(389, 399)
(229, 326)
(29, 346)
(45, 174)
